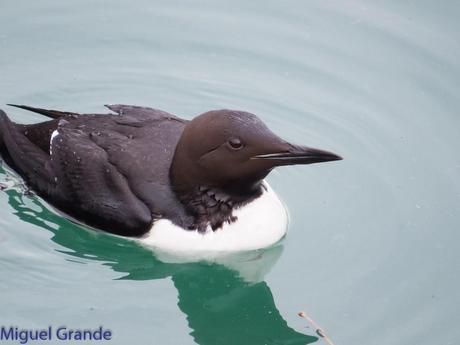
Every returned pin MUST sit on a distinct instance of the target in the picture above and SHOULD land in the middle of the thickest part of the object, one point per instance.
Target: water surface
(372, 250)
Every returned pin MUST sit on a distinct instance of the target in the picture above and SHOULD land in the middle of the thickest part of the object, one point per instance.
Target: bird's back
(115, 164)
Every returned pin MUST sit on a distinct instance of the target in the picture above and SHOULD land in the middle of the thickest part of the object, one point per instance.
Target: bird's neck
(213, 206)
(207, 203)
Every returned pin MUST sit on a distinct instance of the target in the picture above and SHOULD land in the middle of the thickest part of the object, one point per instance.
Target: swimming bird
(173, 183)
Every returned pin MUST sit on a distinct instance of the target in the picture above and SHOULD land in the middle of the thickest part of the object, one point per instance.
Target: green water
(372, 249)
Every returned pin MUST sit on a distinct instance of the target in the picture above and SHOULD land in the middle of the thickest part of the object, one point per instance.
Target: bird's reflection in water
(225, 303)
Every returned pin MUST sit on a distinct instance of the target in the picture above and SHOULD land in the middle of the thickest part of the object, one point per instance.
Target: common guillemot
(175, 184)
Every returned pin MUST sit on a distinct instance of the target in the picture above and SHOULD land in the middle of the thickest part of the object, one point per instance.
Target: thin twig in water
(319, 330)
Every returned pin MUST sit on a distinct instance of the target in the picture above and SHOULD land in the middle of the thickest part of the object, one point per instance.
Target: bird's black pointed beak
(288, 154)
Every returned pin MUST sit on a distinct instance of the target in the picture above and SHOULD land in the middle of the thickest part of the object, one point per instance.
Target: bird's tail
(54, 114)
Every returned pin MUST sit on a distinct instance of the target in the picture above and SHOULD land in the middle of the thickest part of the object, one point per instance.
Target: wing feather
(100, 193)
(76, 178)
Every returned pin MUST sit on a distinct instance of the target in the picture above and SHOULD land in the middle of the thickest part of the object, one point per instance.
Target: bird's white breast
(260, 224)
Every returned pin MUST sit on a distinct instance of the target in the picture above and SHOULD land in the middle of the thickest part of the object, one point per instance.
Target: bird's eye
(235, 143)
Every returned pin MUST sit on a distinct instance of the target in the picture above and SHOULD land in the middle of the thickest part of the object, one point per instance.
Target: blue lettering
(44, 334)
(61, 333)
(23, 336)
(97, 335)
(107, 335)
(6, 336)
(88, 334)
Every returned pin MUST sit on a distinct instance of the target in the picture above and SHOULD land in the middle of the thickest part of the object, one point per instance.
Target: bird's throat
(212, 207)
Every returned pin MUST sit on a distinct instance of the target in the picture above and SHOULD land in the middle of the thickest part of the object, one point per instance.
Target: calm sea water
(373, 248)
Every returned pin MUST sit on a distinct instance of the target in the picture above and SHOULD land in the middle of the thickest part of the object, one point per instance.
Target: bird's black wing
(77, 178)
(100, 195)
(122, 168)
(142, 150)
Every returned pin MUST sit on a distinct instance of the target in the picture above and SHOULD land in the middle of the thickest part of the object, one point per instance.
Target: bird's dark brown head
(233, 151)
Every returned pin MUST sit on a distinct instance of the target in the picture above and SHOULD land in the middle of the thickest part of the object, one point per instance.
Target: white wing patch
(53, 136)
